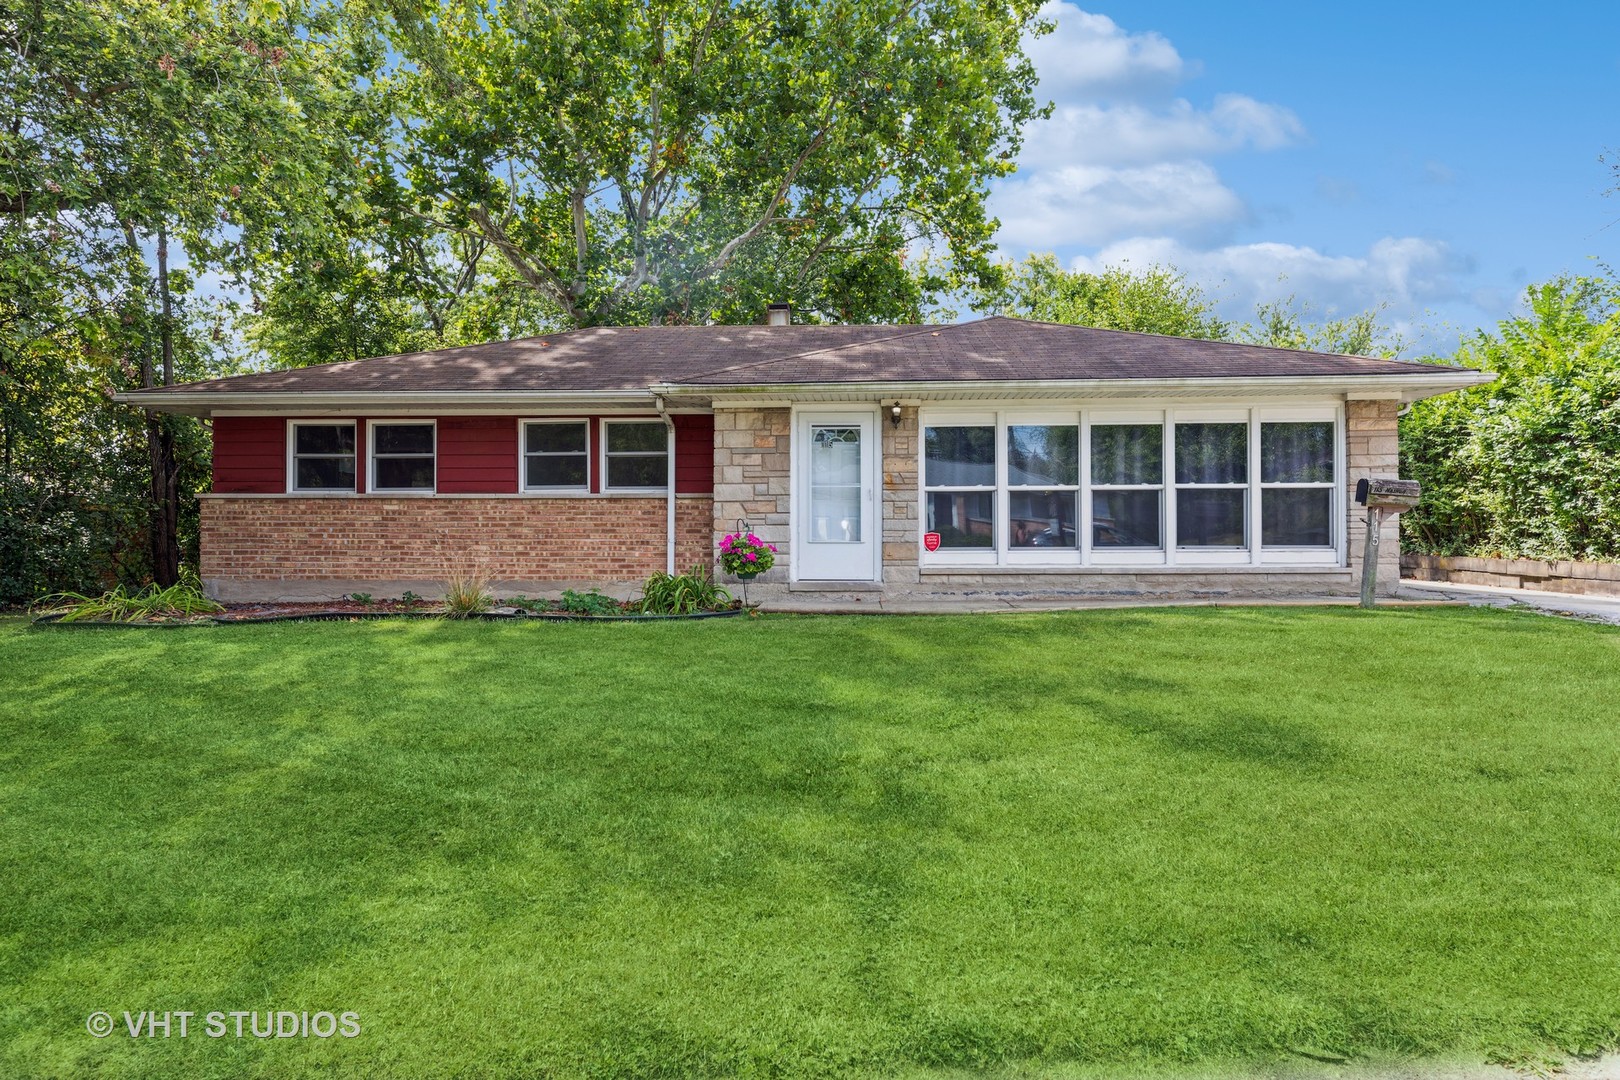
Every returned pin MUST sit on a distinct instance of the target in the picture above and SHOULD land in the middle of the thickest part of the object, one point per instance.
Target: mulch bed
(350, 610)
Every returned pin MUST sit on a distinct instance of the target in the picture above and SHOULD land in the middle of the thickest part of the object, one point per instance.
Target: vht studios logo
(236, 1024)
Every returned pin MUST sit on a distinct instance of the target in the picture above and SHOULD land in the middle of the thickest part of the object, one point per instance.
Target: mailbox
(1387, 494)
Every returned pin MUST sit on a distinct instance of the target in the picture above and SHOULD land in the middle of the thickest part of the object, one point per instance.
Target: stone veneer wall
(752, 469)
(1372, 444)
(276, 547)
(751, 478)
(900, 493)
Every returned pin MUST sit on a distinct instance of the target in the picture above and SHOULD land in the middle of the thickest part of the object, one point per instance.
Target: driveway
(1597, 608)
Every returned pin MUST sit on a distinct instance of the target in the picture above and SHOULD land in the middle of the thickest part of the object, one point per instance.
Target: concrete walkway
(813, 604)
(1597, 608)
(1411, 594)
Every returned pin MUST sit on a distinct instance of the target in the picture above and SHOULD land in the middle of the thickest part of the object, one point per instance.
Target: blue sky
(1433, 157)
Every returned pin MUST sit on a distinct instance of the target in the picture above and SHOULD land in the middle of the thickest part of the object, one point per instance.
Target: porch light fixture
(894, 414)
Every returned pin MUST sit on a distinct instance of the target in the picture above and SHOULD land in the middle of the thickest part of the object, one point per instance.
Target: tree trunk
(160, 441)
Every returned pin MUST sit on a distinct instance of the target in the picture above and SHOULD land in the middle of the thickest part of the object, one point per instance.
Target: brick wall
(1372, 449)
(751, 478)
(278, 547)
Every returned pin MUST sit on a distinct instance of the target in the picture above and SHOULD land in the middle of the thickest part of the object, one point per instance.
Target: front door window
(835, 484)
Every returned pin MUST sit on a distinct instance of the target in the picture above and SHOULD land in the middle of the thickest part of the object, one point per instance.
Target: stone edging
(55, 620)
(1564, 576)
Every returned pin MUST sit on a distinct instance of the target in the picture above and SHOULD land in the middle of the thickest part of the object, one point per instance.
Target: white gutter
(1438, 382)
(669, 525)
(352, 400)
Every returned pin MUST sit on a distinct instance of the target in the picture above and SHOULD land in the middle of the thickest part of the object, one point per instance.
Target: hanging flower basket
(745, 555)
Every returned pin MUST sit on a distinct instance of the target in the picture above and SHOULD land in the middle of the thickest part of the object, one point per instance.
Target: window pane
(1206, 518)
(556, 439)
(632, 437)
(960, 457)
(324, 439)
(1127, 454)
(835, 513)
(330, 473)
(963, 519)
(1296, 453)
(1296, 517)
(1042, 519)
(835, 455)
(1125, 519)
(1212, 453)
(414, 472)
(642, 472)
(402, 438)
(567, 471)
(1041, 454)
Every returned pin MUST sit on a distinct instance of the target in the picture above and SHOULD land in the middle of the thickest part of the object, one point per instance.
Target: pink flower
(751, 557)
(772, 547)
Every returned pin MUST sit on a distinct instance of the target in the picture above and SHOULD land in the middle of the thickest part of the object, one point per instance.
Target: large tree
(1152, 300)
(631, 160)
(133, 131)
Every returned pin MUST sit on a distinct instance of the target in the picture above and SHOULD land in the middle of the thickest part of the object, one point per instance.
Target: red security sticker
(931, 541)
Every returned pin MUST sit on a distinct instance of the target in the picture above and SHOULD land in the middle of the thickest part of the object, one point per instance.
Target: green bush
(1527, 466)
(118, 604)
(588, 603)
(682, 594)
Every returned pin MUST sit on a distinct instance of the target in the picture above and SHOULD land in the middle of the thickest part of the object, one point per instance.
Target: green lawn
(1123, 840)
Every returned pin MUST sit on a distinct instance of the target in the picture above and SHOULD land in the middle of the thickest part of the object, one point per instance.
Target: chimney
(778, 314)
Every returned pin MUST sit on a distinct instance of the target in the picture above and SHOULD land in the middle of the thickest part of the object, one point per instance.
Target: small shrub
(410, 599)
(682, 594)
(360, 597)
(524, 603)
(182, 601)
(588, 603)
(466, 592)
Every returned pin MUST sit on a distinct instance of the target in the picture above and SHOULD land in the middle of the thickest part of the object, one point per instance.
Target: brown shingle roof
(635, 358)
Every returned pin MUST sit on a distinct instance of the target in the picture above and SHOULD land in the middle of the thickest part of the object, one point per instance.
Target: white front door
(837, 525)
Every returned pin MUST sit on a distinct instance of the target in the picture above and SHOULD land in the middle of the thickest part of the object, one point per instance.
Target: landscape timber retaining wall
(1591, 578)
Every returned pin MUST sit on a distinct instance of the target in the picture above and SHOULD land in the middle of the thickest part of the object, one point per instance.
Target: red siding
(360, 455)
(250, 454)
(478, 455)
(694, 454)
(594, 431)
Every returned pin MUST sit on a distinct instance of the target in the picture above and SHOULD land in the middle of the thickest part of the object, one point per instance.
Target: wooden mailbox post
(1380, 495)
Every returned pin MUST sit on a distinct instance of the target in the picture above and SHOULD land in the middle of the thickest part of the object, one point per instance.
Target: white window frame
(293, 456)
(1166, 416)
(371, 455)
(1016, 556)
(669, 457)
(1112, 556)
(1281, 554)
(1248, 551)
(523, 456)
(962, 556)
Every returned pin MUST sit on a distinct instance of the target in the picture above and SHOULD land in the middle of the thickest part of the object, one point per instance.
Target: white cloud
(1133, 134)
(1092, 54)
(1090, 205)
(1407, 272)
(1122, 155)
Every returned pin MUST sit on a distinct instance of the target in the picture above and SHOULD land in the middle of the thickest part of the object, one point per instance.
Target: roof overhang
(1402, 387)
(390, 402)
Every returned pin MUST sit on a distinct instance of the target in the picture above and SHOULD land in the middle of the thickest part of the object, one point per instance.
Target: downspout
(669, 524)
